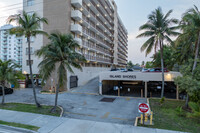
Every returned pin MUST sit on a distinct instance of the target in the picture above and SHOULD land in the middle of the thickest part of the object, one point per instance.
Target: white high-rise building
(10, 45)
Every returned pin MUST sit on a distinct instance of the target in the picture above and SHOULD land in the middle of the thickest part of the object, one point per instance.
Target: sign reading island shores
(123, 76)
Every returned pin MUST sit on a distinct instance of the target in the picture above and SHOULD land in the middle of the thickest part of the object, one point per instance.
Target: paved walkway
(51, 124)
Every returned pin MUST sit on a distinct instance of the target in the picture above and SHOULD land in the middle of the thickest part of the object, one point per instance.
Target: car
(123, 70)
(157, 70)
(7, 90)
(39, 81)
(144, 69)
(130, 70)
(114, 69)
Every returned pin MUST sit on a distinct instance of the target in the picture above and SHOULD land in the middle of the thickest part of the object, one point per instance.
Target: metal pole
(145, 89)
(177, 92)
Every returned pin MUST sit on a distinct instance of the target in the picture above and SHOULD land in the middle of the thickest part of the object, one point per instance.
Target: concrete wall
(87, 74)
(58, 13)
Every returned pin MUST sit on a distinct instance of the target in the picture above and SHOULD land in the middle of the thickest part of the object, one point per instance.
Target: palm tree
(190, 37)
(28, 26)
(191, 30)
(159, 29)
(8, 74)
(60, 56)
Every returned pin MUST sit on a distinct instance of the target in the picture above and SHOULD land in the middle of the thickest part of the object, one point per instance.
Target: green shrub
(179, 111)
(162, 100)
(195, 110)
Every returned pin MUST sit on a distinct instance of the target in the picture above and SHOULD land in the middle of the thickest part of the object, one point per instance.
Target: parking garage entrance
(138, 84)
(123, 88)
(137, 88)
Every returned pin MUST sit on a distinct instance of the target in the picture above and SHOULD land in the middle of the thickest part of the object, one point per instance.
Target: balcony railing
(76, 14)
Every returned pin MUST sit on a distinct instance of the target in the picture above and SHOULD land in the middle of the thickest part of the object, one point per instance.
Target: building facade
(10, 45)
(95, 25)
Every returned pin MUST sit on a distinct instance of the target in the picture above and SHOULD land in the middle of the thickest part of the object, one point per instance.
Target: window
(30, 2)
(32, 51)
(27, 62)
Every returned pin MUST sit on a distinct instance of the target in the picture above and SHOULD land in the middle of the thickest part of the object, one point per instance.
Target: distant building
(95, 25)
(10, 45)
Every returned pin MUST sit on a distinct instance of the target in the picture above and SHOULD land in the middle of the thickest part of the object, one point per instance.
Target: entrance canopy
(138, 76)
(140, 80)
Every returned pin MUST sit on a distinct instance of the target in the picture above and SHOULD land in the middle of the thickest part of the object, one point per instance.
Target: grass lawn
(34, 128)
(30, 108)
(165, 117)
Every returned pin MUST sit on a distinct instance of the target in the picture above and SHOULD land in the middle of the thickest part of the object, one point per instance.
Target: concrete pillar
(141, 93)
(119, 91)
(100, 87)
(145, 89)
(177, 93)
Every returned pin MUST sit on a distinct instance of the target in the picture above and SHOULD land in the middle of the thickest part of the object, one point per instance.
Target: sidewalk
(51, 124)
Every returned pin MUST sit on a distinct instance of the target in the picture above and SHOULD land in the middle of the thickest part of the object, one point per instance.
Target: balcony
(78, 40)
(76, 14)
(76, 28)
(77, 3)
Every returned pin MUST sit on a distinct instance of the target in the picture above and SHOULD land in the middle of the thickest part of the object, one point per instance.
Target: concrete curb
(149, 105)
(136, 121)
(17, 128)
(62, 111)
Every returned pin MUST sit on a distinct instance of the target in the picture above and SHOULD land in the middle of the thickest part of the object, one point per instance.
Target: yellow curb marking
(80, 114)
(105, 115)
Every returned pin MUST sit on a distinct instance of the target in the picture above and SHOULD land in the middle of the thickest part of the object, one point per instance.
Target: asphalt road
(87, 107)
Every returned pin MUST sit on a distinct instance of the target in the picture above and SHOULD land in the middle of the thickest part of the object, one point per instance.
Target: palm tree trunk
(56, 100)
(196, 55)
(162, 66)
(3, 97)
(31, 73)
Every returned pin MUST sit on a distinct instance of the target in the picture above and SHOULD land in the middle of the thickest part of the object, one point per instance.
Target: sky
(133, 14)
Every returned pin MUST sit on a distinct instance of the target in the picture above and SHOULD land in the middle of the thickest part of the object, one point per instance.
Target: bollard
(146, 117)
(151, 118)
(141, 119)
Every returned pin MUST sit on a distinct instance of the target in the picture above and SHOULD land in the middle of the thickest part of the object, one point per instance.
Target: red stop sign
(143, 107)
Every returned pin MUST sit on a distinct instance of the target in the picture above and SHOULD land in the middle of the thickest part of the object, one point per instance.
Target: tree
(143, 63)
(148, 64)
(8, 74)
(158, 28)
(60, 56)
(130, 64)
(168, 55)
(190, 26)
(29, 26)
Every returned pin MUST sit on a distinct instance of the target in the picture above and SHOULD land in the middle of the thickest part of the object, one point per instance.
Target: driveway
(87, 107)
(91, 87)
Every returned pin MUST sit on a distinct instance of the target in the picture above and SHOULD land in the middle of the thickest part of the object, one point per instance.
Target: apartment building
(95, 25)
(10, 45)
